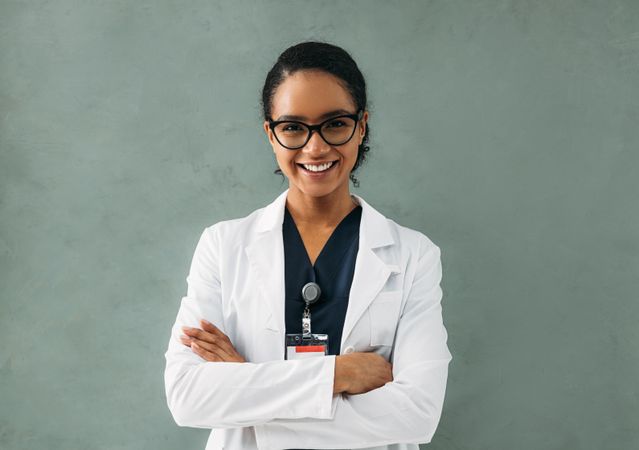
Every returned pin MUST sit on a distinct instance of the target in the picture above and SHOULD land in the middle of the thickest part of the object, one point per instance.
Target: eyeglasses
(294, 135)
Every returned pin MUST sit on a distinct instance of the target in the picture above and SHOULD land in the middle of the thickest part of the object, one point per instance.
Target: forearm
(341, 375)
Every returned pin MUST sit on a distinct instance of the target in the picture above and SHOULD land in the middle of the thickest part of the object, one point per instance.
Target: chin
(317, 190)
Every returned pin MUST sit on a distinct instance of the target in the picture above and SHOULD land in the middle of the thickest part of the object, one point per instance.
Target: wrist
(340, 383)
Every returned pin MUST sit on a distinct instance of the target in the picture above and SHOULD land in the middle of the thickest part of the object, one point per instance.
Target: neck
(319, 212)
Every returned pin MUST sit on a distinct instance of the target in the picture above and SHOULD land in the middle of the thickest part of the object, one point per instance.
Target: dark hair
(313, 55)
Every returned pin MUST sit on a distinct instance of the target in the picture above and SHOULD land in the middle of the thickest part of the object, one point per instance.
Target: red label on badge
(309, 348)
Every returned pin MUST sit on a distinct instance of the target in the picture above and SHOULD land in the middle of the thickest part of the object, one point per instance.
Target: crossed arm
(222, 394)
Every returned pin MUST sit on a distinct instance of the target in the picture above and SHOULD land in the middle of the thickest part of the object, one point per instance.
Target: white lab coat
(236, 281)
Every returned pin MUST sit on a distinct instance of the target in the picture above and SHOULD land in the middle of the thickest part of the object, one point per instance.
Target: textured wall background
(506, 130)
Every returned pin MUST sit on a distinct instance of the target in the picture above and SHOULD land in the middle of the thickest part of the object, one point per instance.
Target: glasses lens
(291, 134)
(339, 130)
(336, 132)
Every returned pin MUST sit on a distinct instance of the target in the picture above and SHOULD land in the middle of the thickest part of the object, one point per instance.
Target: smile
(318, 168)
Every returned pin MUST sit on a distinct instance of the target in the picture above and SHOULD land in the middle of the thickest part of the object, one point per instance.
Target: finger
(200, 334)
(204, 353)
(208, 326)
(221, 343)
(219, 350)
(185, 340)
(213, 336)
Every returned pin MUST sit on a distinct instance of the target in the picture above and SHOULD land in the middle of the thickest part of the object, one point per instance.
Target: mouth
(313, 169)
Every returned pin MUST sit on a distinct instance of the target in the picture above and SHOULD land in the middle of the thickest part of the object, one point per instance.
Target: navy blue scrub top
(333, 272)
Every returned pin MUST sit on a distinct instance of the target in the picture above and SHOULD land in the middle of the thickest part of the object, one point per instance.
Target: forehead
(310, 94)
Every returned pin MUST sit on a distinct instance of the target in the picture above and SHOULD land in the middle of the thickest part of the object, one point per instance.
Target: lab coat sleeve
(205, 394)
(406, 410)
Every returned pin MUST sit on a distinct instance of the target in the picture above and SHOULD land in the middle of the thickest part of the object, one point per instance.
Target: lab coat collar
(374, 229)
(266, 257)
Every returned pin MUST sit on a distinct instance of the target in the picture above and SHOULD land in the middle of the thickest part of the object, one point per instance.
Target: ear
(269, 134)
(362, 123)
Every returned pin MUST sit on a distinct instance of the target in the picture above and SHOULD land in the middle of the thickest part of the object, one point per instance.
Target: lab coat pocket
(384, 313)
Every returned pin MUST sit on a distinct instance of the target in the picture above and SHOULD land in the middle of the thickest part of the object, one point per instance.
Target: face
(309, 95)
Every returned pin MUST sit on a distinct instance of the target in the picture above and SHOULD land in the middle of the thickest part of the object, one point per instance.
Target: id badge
(299, 346)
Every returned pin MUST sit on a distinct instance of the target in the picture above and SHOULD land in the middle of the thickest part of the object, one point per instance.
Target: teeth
(320, 168)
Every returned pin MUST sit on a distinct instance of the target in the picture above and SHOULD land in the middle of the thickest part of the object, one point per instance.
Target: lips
(333, 163)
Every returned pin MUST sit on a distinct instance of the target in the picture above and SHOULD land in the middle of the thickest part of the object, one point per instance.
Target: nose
(316, 144)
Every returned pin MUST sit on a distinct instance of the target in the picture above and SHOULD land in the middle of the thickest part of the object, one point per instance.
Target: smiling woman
(317, 81)
(316, 159)
(243, 358)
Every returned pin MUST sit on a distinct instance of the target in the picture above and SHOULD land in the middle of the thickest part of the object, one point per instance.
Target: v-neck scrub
(333, 272)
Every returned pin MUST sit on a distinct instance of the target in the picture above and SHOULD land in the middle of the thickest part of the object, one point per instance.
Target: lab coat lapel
(266, 259)
(371, 272)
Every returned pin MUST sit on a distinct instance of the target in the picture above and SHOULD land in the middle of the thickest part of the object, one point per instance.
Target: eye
(288, 127)
(337, 123)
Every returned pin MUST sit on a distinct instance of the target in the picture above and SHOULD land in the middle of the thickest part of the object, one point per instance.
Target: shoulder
(407, 244)
(420, 258)
(234, 230)
(416, 244)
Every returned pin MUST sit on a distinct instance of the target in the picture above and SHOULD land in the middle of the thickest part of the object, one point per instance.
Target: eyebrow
(335, 112)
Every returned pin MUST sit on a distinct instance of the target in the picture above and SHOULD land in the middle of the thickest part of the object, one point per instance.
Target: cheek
(285, 161)
(352, 154)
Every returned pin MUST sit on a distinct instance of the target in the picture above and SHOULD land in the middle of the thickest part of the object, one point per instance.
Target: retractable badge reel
(307, 344)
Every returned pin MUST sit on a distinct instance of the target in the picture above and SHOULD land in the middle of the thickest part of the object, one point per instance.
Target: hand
(360, 372)
(210, 343)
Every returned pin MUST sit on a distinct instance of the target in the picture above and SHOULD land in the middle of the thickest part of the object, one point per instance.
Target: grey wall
(504, 130)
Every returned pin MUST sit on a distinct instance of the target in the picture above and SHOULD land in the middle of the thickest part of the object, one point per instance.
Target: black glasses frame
(356, 117)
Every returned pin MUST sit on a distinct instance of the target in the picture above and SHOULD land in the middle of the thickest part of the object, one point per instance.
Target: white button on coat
(236, 282)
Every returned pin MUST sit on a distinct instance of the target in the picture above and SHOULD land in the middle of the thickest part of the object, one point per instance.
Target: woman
(317, 266)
